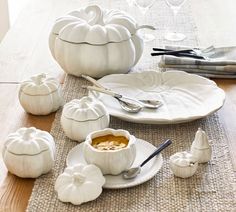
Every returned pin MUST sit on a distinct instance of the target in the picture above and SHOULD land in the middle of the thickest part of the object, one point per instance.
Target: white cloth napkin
(220, 62)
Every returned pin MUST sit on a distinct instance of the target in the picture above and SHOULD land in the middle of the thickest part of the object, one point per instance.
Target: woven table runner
(212, 188)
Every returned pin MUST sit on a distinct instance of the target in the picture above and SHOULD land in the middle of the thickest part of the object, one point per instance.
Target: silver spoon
(130, 102)
(133, 172)
(128, 106)
(153, 104)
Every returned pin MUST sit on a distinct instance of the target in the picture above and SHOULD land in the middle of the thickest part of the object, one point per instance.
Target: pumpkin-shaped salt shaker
(200, 147)
(29, 152)
(183, 164)
(40, 95)
(83, 116)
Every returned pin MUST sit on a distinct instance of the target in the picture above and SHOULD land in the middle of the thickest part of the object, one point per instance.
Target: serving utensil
(190, 52)
(133, 172)
(128, 104)
(178, 54)
(125, 105)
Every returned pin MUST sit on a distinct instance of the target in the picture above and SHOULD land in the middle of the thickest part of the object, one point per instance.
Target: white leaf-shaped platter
(185, 96)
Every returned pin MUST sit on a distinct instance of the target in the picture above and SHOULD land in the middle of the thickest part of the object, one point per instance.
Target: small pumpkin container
(29, 152)
(80, 183)
(83, 116)
(183, 164)
(110, 161)
(109, 37)
(40, 95)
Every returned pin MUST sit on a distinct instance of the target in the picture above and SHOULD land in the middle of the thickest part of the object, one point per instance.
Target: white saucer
(144, 149)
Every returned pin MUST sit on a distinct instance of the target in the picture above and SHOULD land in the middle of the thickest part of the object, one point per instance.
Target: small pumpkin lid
(29, 141)
(39, 85)
(84, 109)
(95, 26)
(183, 159)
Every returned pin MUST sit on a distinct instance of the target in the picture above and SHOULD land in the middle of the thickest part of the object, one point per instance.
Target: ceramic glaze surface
(183, 164)
(83, 116)
(40, 95)
(29, 152)
(144, 149)
(110, 161)
(108, 36)
(185, 97)
(80, 183)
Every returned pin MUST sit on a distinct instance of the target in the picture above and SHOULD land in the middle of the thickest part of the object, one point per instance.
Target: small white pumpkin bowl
(83, 116)
(29, 152)
(40, 95)
(183, 164)
(110, 161)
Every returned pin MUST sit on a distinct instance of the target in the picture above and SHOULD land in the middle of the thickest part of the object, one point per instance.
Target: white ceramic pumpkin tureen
(96, 42)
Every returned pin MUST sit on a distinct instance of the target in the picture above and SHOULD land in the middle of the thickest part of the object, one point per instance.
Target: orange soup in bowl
(109, 142)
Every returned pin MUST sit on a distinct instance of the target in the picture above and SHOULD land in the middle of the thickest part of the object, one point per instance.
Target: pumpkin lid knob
(79, 178)
(39, 79)
(29, 133)
(97, 17)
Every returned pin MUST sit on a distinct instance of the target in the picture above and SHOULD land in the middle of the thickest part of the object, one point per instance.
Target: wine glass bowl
(144, 6)
(175, 6)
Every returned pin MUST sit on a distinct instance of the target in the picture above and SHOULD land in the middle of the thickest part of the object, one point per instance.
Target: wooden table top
(24, 52)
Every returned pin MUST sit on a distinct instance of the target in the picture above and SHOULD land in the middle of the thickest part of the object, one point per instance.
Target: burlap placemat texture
(212, 188)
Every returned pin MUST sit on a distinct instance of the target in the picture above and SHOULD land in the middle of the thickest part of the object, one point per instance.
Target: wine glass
(144, 6)
(175, 6)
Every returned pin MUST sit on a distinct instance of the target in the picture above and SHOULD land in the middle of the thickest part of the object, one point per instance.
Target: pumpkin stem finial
(39, 78)
(97, 17)
(28, 133)
(79, 178)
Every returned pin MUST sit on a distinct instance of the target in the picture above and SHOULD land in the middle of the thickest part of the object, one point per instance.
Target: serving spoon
(133, 172)
(127, 103)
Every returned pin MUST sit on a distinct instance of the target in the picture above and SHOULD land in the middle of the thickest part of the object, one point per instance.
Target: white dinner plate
(185, 96)
(143, 150)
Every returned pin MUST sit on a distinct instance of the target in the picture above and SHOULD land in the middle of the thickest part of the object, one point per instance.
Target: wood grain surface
(24, 52)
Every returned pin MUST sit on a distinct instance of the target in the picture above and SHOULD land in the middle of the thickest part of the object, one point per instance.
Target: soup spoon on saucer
(133, 172)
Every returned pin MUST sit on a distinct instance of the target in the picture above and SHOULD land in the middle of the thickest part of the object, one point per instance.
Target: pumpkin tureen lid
(39, 85)
(84, 109)
(93, 25)
(29, 141)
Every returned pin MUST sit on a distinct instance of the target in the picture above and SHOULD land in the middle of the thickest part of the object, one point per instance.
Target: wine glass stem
(145, 19)
(175, 12)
